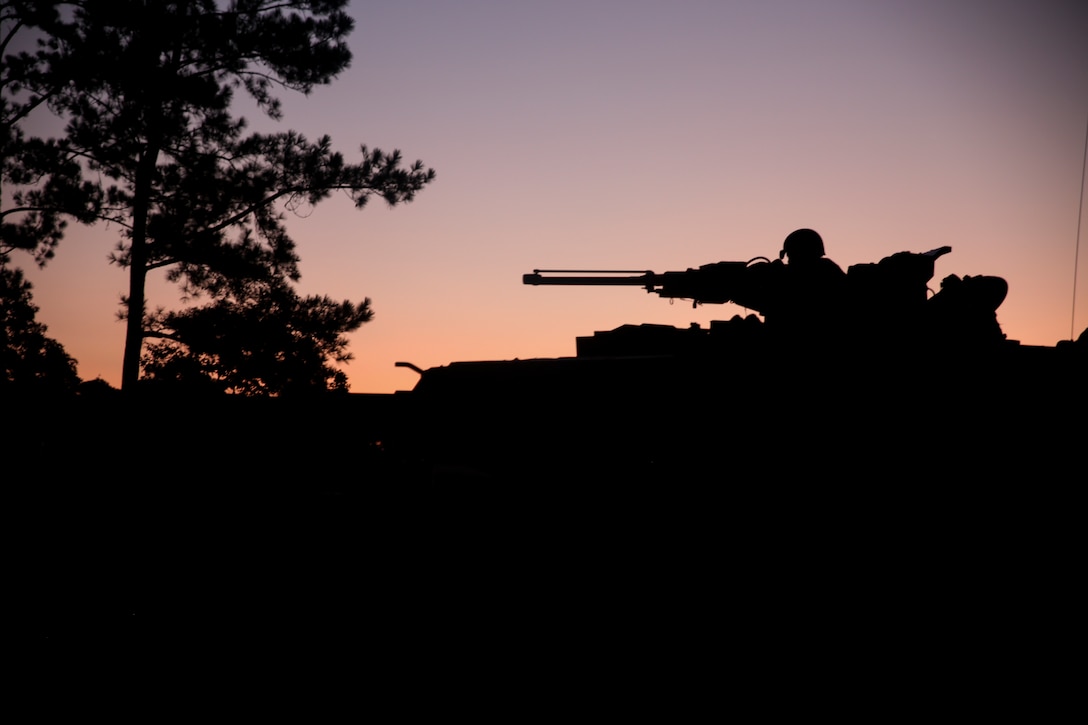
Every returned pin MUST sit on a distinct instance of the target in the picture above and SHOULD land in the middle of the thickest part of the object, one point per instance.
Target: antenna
(1076, 250)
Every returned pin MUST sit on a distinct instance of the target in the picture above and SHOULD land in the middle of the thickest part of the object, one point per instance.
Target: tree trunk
(137, 273)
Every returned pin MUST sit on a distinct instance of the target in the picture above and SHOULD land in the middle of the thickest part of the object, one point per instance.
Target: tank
(870, 368)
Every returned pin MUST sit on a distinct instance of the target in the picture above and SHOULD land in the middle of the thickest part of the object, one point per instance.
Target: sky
(662, 135)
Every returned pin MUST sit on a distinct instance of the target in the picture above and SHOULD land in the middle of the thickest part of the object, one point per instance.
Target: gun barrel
(619, 277)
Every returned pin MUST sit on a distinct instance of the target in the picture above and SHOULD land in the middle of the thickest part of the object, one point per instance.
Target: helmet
(803, 243)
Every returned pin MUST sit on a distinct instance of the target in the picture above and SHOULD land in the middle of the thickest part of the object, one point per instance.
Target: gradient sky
(638, 134)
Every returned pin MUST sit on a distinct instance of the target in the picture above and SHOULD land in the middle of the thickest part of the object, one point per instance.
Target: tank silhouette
(885, 370)
(888, 302)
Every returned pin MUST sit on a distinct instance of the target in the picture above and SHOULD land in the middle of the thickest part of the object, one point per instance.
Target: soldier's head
(803, 245)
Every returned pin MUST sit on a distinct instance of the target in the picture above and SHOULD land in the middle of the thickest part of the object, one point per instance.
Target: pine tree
(146, 89)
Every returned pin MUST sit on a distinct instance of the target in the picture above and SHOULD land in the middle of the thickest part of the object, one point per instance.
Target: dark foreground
(735, 533)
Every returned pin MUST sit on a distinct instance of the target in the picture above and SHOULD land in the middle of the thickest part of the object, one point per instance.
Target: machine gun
(898, 279)
(743, 283)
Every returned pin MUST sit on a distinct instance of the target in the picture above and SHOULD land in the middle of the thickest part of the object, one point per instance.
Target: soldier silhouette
(806, 290)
